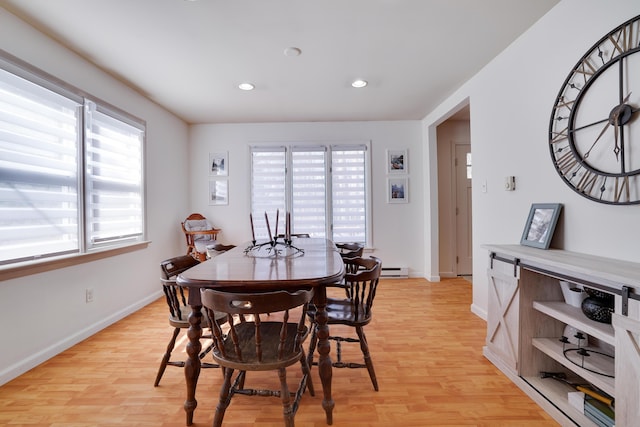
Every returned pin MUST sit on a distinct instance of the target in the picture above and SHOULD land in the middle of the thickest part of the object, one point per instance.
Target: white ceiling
(190, 56)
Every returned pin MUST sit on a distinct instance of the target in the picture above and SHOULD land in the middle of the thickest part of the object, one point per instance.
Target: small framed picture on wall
(218, 192)
(219, 164)
(398, 190)
(397, 161)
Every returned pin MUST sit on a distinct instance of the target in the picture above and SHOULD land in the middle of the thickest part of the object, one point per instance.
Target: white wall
(397, 228)
(45, 313)
(511, 101)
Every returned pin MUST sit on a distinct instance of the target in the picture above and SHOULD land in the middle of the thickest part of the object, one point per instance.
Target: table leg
(324, 348)
(192, 364)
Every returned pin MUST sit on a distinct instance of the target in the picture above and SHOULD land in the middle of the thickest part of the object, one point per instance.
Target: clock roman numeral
(566, 163)
(622, 185)
(625, 39)
(563, 103)
(586, 69)
(587, 182)
(559, 136)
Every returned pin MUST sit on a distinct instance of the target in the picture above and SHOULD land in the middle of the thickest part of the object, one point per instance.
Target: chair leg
(364, 346)
(225, 398)
(307, 371)
(313, 342)
(166, 357)
(286, 398)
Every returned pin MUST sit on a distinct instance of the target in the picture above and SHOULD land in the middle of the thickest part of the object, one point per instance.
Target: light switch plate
(510, 183)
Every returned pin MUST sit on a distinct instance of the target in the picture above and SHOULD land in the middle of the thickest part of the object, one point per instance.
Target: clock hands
(620, 115)
(616, 123)
(604, 129)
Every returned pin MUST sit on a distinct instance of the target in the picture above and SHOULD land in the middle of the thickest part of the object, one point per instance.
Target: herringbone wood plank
(426, 347)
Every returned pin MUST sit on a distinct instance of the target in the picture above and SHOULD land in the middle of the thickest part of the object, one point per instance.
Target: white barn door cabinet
(528, 316)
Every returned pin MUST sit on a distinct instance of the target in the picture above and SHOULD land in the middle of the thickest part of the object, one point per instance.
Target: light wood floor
(427, 350)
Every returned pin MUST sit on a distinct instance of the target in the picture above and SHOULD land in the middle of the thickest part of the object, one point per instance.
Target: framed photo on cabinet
(540, 225)
(397, 190)
(397, 162)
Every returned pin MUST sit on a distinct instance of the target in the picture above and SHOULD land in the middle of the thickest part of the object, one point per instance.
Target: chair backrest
(350, 250)
(361, 285)
(196, 222)
(173, 293)
(269, 341)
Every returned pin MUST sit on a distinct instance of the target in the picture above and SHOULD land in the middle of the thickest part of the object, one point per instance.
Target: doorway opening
(455, 172)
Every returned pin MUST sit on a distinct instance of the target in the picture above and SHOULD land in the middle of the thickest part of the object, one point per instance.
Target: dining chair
(252, 344)
(179, 311)
(356, 310)
(348, 250)
(198, 233)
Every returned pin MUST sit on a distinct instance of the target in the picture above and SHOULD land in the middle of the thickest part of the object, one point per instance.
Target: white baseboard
(479, 312)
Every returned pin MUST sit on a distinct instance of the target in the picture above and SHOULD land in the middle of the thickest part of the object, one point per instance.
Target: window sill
(14, 271)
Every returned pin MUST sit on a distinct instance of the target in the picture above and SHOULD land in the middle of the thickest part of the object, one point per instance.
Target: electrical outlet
(89, 294)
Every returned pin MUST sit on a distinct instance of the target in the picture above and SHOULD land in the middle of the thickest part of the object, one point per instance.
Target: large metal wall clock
(594, 132)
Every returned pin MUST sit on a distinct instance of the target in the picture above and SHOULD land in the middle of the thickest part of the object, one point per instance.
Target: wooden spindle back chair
(251, 344)
(179, 311)
(354, 311)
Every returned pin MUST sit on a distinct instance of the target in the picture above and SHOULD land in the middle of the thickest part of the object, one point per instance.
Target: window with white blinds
(309, 190)
(114, 190)
(349, 194)
(71, 171)
(324, 187)
(268, 188)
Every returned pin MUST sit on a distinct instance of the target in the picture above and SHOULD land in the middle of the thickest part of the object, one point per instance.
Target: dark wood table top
(320, 264)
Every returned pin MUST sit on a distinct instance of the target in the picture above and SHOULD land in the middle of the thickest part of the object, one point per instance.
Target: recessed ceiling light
(246, 86)
(292, 51)
(359, 83)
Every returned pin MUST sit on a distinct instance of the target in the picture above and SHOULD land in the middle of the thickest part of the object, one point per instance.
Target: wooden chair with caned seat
(252, 344)
(355, 311)
(178, 310)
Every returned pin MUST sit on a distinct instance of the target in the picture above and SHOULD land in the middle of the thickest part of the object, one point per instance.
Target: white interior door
(464, 250)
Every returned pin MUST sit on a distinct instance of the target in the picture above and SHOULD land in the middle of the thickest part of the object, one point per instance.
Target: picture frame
(218, 192)
(397, 162)
(219, 164)
(398, 190)
(541, 224)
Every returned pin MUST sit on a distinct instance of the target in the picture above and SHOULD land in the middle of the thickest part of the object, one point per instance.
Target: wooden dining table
(305, 263)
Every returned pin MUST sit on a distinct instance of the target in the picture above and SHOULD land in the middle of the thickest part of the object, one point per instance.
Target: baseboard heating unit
(395, 272)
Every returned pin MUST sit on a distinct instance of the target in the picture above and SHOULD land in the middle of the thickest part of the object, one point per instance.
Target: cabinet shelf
(557, 392)
(575, 317)
(553, 348)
